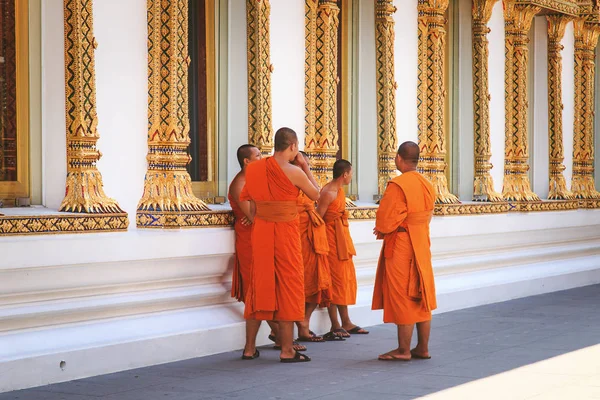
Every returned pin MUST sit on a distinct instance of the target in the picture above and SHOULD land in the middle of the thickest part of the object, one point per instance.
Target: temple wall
(143, 297)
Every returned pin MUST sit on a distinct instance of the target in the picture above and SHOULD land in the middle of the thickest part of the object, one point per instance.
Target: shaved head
(284, 138)
(246, 152)
(340, 167)
(409, 152)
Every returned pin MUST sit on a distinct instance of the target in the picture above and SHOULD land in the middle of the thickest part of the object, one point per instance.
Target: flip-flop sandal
(332, 337)
(296, 344)
(357, 330)
(311, 339)
(272, 338)
(392, 358)
(311, 333)
(419, 357)
(298, 358)
(252, 357)
(342, 332)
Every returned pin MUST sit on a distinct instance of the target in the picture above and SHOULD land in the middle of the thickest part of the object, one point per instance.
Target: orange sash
(345, 247)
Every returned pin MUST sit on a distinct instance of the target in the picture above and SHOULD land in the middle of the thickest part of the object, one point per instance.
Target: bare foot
(421, 355)
(297, 346)
(395, 355)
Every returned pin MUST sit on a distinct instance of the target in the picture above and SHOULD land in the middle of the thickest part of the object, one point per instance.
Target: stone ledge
(57, 223)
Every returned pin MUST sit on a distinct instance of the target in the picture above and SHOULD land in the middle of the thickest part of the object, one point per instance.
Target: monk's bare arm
(300, 179)
(327, 197)
(246, 206)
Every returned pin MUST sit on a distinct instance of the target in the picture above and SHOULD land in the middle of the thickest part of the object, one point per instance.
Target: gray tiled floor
(466, 345)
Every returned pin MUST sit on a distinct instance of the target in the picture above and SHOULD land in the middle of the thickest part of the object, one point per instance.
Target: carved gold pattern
(556, 31)
(168, 187)
(586, 39)
(518, 19)
(192, 219)
(569, 7)
(53, 224)
(84, 189)
(321, 143)
(260, 125)
(483, 185)
(431, 95)
(386, 93)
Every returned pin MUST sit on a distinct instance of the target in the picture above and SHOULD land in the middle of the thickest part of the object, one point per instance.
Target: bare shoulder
(328, 194)
(237, 184)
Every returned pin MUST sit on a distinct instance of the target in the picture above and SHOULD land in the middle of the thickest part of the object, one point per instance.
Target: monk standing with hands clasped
(276, 290)
(404, 285)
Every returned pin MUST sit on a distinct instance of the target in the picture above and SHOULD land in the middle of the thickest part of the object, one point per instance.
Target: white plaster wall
(287, 57)
(568, 96)
(122, 100)
(466, 157)
(539, 157)
(54, 153)
(496, 84)
(406, 63)
(121, 84)
(237, 89)
(367, 102)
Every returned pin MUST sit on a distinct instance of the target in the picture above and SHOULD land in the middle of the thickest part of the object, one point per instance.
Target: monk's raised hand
(300, 161)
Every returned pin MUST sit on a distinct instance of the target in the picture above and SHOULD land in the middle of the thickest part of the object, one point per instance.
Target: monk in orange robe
(315, 248)
(404, 286)
(332, 207)
(276, 290)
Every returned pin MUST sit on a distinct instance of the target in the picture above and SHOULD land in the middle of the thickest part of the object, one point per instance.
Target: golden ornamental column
(586, 39)
(84, 192)
(556, 31)
(167, 187)
(483, 186)
(260, 125)
(321, 143)
(518, 19)
(431, 94)
(387, 143)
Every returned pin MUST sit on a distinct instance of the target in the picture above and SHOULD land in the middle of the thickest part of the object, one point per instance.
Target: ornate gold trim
(387, 142)
(568, 7)
(556, 31)
(192, 219)
(84, 192)
(518, 19)
(260, 126)
(483, 185)
(586, 39)
(55, 224)
(21, 186)
(167, 186)
(431, 96)
(321, 143)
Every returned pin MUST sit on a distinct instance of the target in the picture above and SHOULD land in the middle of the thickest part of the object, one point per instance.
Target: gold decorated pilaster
(260, 125)
(84, 192)
(321, 143)
(387, 143)
(518, 19)
(431, 94)
(168, 187)
(586, 38)
(483, 186)
(556, 31)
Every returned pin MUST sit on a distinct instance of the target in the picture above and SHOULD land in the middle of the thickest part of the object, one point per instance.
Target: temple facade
(119, 123)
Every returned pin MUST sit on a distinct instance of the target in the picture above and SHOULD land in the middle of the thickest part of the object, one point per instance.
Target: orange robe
(243, 254)
(341, 250)
(313, 236)
(404, 286)
(276, 290)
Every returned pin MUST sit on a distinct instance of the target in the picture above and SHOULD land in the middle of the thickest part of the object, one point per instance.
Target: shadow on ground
(466, 345)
